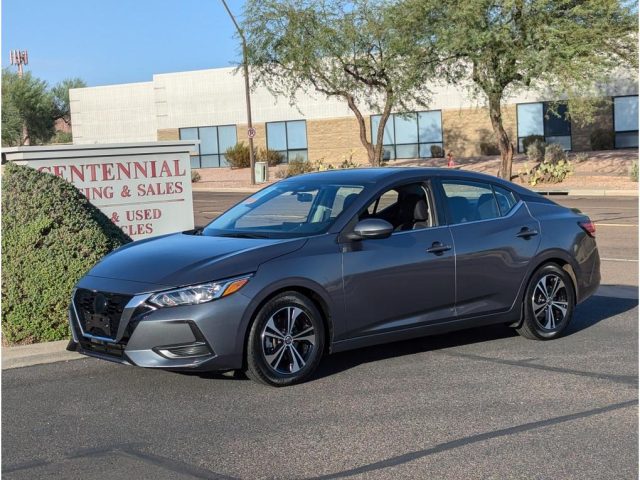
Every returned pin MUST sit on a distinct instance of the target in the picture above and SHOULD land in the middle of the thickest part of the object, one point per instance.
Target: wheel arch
(309, 289)
(558, 257)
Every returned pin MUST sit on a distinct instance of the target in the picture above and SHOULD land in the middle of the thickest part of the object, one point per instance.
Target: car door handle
(526, 232)
(438, 248)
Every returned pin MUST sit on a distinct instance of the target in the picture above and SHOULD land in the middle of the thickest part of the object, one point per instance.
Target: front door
(405, 280)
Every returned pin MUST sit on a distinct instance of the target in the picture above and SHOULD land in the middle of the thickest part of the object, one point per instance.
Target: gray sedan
(332, 261)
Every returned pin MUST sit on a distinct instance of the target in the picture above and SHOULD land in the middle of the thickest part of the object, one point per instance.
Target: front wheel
(548, 304)
(286, 341)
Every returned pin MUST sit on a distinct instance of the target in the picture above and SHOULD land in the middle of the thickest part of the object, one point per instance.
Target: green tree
(562, 47)
(342, 49)
(61, 97)
(25, 101)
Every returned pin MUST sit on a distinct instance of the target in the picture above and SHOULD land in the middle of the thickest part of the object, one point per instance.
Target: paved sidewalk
(36, 354)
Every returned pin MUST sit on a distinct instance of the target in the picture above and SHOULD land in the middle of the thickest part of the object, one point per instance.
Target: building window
(214, 141)
(289, 139)
(410, 135)
(625, 121)
(538, 119)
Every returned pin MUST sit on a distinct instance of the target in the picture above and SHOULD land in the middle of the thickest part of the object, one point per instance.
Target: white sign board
(145, 189)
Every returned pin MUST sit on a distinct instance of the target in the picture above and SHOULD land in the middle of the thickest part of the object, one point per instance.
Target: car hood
(184, 259)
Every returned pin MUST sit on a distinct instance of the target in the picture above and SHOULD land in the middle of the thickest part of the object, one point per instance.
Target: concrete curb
(229, 189)
(36, 354)
(589, 193)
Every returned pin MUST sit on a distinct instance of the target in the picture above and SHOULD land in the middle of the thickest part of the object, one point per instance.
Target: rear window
(470, 201)
(506, 199)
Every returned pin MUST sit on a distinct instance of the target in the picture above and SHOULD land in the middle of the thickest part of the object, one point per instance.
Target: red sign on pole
(251, 132)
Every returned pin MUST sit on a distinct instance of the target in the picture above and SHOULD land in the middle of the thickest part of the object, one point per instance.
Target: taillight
(589, 227)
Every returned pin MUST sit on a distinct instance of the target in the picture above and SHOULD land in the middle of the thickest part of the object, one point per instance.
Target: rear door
(405, 280)
(495, 238)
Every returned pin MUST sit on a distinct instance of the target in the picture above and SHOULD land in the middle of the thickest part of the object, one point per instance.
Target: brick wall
(168, 134)
(259, 141)
(468, 132)
(334, 139)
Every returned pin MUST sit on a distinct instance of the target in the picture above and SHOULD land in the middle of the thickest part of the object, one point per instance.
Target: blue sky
(117, 41)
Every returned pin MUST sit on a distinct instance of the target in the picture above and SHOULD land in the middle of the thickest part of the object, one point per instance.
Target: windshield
(285, 210)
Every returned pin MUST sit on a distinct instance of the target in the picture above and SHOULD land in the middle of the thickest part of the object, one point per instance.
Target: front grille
(99, 313)
(110, 349)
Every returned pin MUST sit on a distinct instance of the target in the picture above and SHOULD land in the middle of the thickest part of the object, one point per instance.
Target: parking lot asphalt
(482, 403)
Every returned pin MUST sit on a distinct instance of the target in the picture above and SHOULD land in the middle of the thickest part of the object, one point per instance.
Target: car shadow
(594, 310)
(610, 301)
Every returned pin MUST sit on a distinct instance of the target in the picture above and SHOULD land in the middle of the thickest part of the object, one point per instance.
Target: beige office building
(209, 105)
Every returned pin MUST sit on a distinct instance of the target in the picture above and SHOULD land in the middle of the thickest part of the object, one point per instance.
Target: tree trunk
(374, 152)
(384, 117)
(504, 144)
(363, 129)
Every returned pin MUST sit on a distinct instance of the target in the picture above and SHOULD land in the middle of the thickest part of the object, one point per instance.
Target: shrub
(602, 139)
(298, 166)
(238, 156)
(348, 162)
(437, 151)
(633, 171)
(51, 236)
(272, 157)
(62, 137)
(536, 151)
(554, 153)
(195, 176)
(489, 148)
(580, 157)
(530, 139)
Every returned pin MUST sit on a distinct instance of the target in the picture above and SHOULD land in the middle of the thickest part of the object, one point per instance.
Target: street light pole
(245, 67)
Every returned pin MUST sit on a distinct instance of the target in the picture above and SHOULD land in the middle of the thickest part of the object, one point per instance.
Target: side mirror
(371, 228)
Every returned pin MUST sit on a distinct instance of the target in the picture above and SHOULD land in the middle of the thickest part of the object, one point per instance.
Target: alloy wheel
(288, 340)
(550, 302)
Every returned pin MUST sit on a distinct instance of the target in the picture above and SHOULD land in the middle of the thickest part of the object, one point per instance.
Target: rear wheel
(548, 304)
(286, 341)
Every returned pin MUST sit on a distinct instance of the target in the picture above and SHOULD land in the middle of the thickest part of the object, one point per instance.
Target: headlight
(198, 293)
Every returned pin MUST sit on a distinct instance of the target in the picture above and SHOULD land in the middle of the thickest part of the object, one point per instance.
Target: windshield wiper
(243, 235)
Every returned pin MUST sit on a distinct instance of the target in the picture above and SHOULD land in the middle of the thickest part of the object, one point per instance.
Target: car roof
(391, 174)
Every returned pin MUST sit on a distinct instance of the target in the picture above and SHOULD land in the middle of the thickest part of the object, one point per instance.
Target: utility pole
(245, 67)
(20, 58)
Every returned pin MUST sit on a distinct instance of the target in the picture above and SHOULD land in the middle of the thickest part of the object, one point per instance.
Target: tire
(286, 341)
(548, 306)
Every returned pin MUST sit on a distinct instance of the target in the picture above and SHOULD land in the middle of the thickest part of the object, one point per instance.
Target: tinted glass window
(277, 136)
(470, 201)
(410, 135)
(506, 199)
(407, 207)
(625, 113)
(345, 196)
(285, 210)
(214, 141)
(289, 139)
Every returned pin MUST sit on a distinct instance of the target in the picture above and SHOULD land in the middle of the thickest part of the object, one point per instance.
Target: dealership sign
(144, 188)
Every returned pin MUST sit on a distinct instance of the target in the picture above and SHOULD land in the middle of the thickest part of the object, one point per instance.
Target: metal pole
(247, 92)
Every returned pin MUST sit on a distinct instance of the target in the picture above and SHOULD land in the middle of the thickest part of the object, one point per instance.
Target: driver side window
(406, 207)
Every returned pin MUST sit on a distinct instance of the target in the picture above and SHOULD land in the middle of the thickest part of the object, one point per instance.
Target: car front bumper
(203, 337)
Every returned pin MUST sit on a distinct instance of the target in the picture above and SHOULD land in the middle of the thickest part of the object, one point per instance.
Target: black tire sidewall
(257, 366)
(530, 317)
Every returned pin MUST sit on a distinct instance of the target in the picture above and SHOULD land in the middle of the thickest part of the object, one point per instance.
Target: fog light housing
(191, 350)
